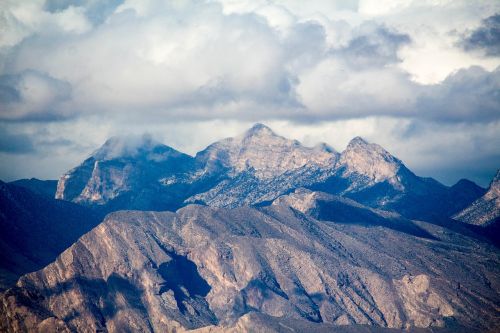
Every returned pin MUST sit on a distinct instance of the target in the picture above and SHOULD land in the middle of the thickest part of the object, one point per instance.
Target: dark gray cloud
(485, 38)
(33, 96)
(15, 143)
(471, 95)
(374, 46)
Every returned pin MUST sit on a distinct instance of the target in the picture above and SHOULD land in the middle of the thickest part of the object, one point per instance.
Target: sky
(419, 77)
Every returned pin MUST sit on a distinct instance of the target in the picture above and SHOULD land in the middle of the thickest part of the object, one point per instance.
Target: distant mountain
(260, 165)
(271, 268)
(485, 211)
(35, 229)
(254, 169)
(265, 154)
(369, 174)
(46, 188)
(129, 173)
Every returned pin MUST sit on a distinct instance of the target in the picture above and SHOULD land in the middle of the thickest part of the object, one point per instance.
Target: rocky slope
(128, 173)
(485, 211)
(254, 169)
(210, 268)
(35, 229)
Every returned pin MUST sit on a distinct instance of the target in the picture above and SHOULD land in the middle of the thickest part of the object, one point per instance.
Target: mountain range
(253, 233)
(254, 169)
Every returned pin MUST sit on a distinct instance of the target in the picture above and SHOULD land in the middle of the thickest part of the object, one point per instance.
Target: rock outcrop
(212, 268)
(485, 211)
(254, 169)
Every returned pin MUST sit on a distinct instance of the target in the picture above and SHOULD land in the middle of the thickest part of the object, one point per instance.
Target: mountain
(260, 165)
(291, 262)
(485, 211)
(263, 165)
(369, 174)
(254, 169)
(35, 229)
(265, 153)
(46, 188)
(128, 173)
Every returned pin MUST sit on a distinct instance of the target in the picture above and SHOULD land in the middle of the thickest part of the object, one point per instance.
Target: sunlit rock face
(268, 155)
(485, 211)
(126, 173)
(300, 258)
(254, 169)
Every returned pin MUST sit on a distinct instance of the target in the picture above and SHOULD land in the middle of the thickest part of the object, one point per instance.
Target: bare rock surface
(275, 267)
(255, 168)
(485, 210)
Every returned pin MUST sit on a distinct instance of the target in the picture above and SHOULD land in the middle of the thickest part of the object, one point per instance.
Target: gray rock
(213, 268)
(485, 211)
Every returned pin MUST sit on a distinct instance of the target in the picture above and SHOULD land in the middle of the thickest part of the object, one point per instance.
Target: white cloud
(195, 63)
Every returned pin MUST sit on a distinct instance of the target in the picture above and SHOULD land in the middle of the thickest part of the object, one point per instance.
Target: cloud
(471, 95)
(197, 60)
(373, 45)
(32, 95)
(97, 11)
(116, 64)
(485, 38)
(15, 143)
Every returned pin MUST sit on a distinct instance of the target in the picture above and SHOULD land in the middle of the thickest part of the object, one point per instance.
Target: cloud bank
(65, 63)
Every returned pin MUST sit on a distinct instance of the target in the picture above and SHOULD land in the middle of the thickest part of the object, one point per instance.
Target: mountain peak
(259, 129)
(370, 159)
(266, 153)
(358, 141)
(125, 146)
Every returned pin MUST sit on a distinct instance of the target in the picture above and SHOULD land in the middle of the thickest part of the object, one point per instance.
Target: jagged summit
(252, 168)
(265, 152)
(370, 160)
(126, 146)
(123, 166)
(259, 129)
(485, 210)
(358, 141)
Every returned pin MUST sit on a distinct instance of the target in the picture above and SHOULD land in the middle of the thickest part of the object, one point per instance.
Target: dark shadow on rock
(182, 277)
(100, 299)
(340, 212)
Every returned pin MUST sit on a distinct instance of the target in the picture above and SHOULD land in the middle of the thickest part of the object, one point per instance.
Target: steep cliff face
(254, 169)
(209, 267)
(485, 211)
(127, 173)
(265, 153)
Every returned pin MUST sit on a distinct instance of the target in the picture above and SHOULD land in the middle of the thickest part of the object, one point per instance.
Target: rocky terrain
(254, 233)
(210, 268)
(254, 169)
(485, 211)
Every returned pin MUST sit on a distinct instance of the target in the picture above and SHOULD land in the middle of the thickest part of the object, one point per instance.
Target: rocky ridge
(254, 169)
(485, 211)
(205, 267)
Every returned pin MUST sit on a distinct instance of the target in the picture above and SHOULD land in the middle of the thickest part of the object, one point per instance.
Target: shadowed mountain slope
(46, 188)
(136, 271)
(35, 229)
